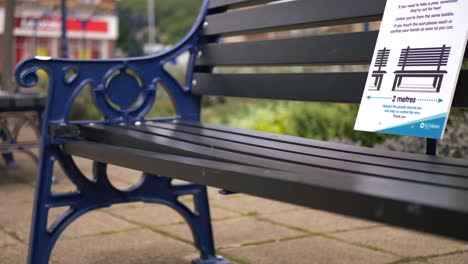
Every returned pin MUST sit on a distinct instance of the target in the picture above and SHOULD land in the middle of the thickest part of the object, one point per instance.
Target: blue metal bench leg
(7, 157)
(100, 193)
(203, 233)
(41, 244)
(9, 160)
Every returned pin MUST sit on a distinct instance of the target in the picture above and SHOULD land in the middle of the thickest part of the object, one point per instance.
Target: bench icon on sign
(378, 74)
(419, 63)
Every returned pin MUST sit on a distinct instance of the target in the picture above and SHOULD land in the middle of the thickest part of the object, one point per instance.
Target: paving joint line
(180, 239)
(12, 234)
(250, 212)
(427, 258)
(328, 236)
(103, 233)
(153, 229)
(232, 258)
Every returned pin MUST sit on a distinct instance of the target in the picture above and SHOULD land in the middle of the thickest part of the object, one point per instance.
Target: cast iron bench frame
(19, 110)
(422, 57)
(383, 186)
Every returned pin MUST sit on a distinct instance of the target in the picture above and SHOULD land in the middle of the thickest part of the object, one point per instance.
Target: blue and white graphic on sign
(415, 68)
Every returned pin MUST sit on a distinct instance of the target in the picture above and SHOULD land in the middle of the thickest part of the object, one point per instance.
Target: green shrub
(312, 120)
(454, 143)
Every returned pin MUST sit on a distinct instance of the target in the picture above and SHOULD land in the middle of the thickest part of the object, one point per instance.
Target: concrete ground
(247, 230)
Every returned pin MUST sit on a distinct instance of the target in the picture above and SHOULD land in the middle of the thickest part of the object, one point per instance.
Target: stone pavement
(247, 230)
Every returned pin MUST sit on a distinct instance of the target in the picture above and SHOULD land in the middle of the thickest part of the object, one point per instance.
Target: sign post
(415, 68)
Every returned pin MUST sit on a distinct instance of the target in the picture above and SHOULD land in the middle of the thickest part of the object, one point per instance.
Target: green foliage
(454, 143)
(174, 18)
(312, 120)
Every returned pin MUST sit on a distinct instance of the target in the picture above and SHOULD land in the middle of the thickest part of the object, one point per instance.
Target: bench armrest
(123, 89)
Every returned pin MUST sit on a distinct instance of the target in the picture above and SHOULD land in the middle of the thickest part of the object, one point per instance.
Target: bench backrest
(424, 57)
(258, 18)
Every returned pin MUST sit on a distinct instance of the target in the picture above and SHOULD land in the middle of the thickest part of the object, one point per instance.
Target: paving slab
(459, 258)
(238, 231)
(7, 240)
(310, 250)
(402, 242)
(13, 255)
(16, 194)
(157, 215)
(94, 223)
(17, 219)
(253, 205)
(318, 221)
(25, 172)
(139, 246)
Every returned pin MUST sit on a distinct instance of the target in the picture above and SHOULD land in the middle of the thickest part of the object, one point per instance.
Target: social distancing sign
(415, 68)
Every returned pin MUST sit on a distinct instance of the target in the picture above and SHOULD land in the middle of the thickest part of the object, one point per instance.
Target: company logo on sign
(428, 126)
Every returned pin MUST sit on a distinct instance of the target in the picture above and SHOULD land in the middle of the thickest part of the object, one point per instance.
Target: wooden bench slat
(179, 143)
(356, 48)
(294, 153)
(22, 102)
(346, 87)
(306, 13)
(385, 200)
(7, 147)
(320, 87)
(217, 4)
(372, 152)
(328, 149)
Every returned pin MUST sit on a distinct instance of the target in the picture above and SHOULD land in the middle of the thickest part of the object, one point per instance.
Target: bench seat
(397, 188)
(18, 110)
(13, 102)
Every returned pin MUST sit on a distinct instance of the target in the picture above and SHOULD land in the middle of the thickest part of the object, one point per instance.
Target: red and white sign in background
(102, 27)
(40, 35)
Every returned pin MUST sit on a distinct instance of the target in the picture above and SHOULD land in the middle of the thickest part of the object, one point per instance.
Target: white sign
(415, 68)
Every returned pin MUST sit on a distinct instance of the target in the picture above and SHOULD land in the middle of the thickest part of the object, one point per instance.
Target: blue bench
(420, 192)
(17, 111)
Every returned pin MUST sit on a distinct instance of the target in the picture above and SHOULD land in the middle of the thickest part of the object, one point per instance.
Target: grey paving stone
(16, 194)
(7, 240)
(318, 221)
(94, 223)
(17, 219)
(13, 255)
(85, 165)
(403, 242)
(460, 258)
(157, 215)
(123, 178)
(238, 231)
(249, 204)
(310, 250)
(24, 173)
(140, 246)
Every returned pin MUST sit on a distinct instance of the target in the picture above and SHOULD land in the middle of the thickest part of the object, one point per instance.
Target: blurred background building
(92, 27)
